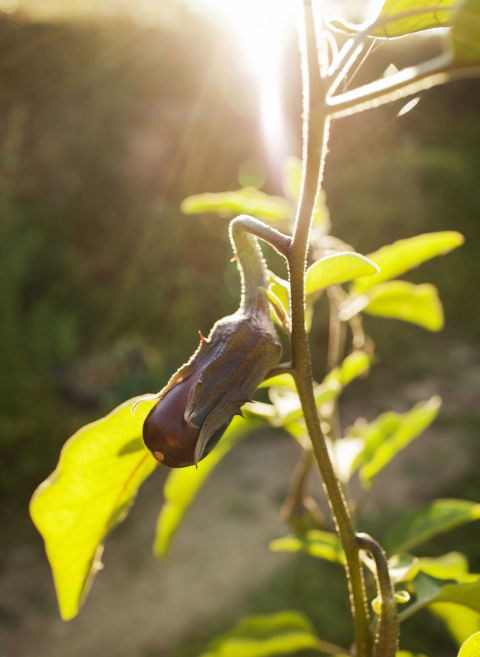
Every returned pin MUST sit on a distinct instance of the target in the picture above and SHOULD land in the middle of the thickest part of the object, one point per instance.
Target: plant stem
(315, 140)
(386, 641)
(407, 82)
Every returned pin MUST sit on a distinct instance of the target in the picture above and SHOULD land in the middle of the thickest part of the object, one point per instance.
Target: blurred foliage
(104, 128)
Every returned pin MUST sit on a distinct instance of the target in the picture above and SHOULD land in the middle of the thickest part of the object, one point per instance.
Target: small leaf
(288, 403)
(388, 435)
(320, 544)
(399, 257)
(465, 34)
(280, 316)
(280, 381)
(99, 472)
(471, 647)
(418, 304)
(337, 268)
(420, 525)
(282, 633)
(425, 15)
(246, 200)
(182, 485)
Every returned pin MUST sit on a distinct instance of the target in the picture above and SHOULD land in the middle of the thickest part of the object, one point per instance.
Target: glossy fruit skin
(171, 440)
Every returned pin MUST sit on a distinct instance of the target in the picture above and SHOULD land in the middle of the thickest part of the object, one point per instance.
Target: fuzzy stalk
(315, 137)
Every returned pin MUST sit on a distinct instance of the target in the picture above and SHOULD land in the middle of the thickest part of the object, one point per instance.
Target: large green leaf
(465, 34)
(282, 633)
(418, 304)
(430, 590)
(460, 621)
(471, 647)
(399, 257)
(95, 482)
(420, 525)
(390, 433)
(337, 268)
(421, 15)
(183, 485)
(246, 200)
(320, 544)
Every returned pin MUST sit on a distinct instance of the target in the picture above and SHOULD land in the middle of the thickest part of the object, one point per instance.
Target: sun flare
(260, 32)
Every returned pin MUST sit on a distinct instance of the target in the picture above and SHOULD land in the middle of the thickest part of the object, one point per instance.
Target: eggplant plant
(208, 405)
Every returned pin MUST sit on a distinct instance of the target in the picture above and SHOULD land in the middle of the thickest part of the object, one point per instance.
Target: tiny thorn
(235, 257)
(202, 337)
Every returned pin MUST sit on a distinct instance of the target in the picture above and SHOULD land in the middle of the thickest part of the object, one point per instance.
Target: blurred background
(110, 114)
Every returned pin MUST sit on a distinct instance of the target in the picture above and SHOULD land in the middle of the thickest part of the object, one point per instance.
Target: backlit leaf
(282, 633)
(320, 544)
(465, 34)
(460, 621)
(418, 304)
(288, 402)
(424, 15)
(337, 268)
(399, 257)
(420, 525)
(247, 200)
(388, 435)
(280, 381)
(471, 647)
(183, 485)
(430, 590)
(100, 469)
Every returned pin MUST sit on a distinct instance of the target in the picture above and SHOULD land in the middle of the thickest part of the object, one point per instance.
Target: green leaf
(471, 647)
(99, 472)
(466, 594)
(246, 200)
(182, 485)
(320, 544)
(399, 257)
(407, 653)
(388, 435)
(280, 381)
(282, 633)
(465, 34)
(288, 404)
(337, 268)
(416, 527)
(460, 621)
(278, 293)
(423, 15)
(418, 304)
(430, 590)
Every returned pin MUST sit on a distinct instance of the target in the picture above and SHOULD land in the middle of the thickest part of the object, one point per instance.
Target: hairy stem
(386, 640)
(315, 140)
(250, 257)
